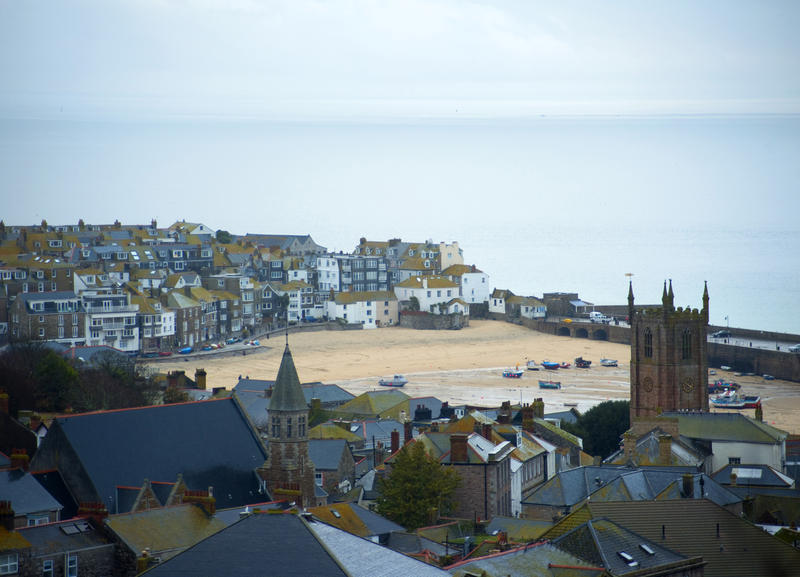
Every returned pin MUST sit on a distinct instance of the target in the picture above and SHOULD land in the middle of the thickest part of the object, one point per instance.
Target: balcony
(97, 309)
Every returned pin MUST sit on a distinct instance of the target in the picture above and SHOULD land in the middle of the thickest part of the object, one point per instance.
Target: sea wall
(428, 321)
(779, 364)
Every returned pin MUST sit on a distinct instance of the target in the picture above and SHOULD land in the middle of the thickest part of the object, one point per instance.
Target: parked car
(165, 354)
(232, 340)
(795, 348)
(185, 350)
(721, 335)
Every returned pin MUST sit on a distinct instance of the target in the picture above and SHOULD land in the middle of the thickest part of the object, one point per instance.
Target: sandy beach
(463, 367)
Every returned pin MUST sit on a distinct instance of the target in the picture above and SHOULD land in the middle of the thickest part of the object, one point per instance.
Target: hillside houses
(144, 289)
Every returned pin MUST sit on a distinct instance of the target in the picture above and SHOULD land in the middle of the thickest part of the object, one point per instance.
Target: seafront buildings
(143, 289)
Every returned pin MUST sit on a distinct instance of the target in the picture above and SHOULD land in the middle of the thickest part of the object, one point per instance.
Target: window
(40, 287)
(302, 426)
(9, 564)
(648, 343)
(276, 427)
(60, 332)
(61, 320)
(47, 568)
(686, 345)
(72, 566)
(734, 460)
(74, 332)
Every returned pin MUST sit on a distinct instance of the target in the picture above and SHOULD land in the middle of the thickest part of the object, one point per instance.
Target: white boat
(395, 381)
(608, 362)
(532, 366)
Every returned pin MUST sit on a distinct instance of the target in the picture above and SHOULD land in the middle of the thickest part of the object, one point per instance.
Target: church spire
(287, 394)
(705, 301)
(630, 301)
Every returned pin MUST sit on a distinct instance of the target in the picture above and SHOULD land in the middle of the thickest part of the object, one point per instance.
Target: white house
(111, 320)
(327, 274)
(301, 299)
(370, 309)
(529, 307)
(430, 291)
(473, 283)
(734, 439)
(497, 301)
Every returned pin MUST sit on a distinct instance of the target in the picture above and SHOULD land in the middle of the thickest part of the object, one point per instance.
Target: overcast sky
(382, 57)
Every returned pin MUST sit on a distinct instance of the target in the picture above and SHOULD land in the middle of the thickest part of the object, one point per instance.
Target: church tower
(288, 471)
(669, 367)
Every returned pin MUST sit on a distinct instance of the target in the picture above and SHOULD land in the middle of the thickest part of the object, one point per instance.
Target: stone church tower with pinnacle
(288, 472)
(669, 367)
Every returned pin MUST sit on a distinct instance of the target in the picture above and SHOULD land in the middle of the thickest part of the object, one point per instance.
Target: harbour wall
(780, 364)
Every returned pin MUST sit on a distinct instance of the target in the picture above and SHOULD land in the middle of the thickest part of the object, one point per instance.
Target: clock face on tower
(687, 385)
(647, 384)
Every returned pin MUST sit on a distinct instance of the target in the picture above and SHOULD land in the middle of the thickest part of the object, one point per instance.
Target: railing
(95, 309)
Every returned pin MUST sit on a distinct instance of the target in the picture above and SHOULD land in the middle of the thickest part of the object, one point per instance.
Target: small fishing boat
(721, 385)
(564, 365)
(550, 365)
(608, 362)
(395, 381)
(751, 401)
(513, 373)
(532, 366)
(549, 384)
(728, 400)
(582, 363)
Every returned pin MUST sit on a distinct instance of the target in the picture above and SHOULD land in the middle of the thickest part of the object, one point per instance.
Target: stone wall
(779, 364)
(427, 321)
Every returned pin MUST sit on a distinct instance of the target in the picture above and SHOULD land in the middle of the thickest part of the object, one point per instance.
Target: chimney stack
(486, 431)
(538, 408)
(408, 431)
(200, 379)
(664, 450)
(93, 510)
(20, 459)
(395, 441)
(458, 448)
(6, 515)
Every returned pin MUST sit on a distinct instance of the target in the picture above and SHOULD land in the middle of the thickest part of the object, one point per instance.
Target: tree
(601, 427)
(56, 382)
(224, 237)
(416, 487)
(413, 304)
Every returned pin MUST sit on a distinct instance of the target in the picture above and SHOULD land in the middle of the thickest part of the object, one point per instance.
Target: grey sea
(542, 204)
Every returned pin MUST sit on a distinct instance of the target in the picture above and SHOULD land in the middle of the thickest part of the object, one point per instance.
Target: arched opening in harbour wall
(582, 333)
(600, 335)
(562, 332)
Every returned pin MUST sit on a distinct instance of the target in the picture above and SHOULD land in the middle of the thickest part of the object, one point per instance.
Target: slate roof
(331, 430)
(165, 531)
(363, 558)
(536, 559)
(604, 543)
(752, 476)
(370, 430)
(289, 546)
(25, 493)
(726, 427)
(616, 483)
(355, 519)
(62, 536)
(372, 403)
(210, 442)
(520, 530)
(326, 453)
(730, 545)
(433, 282)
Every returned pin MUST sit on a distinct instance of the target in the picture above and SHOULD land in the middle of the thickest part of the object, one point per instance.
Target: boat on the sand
(395, 381)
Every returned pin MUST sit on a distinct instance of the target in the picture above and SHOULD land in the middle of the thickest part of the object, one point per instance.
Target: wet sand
(464, 367)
